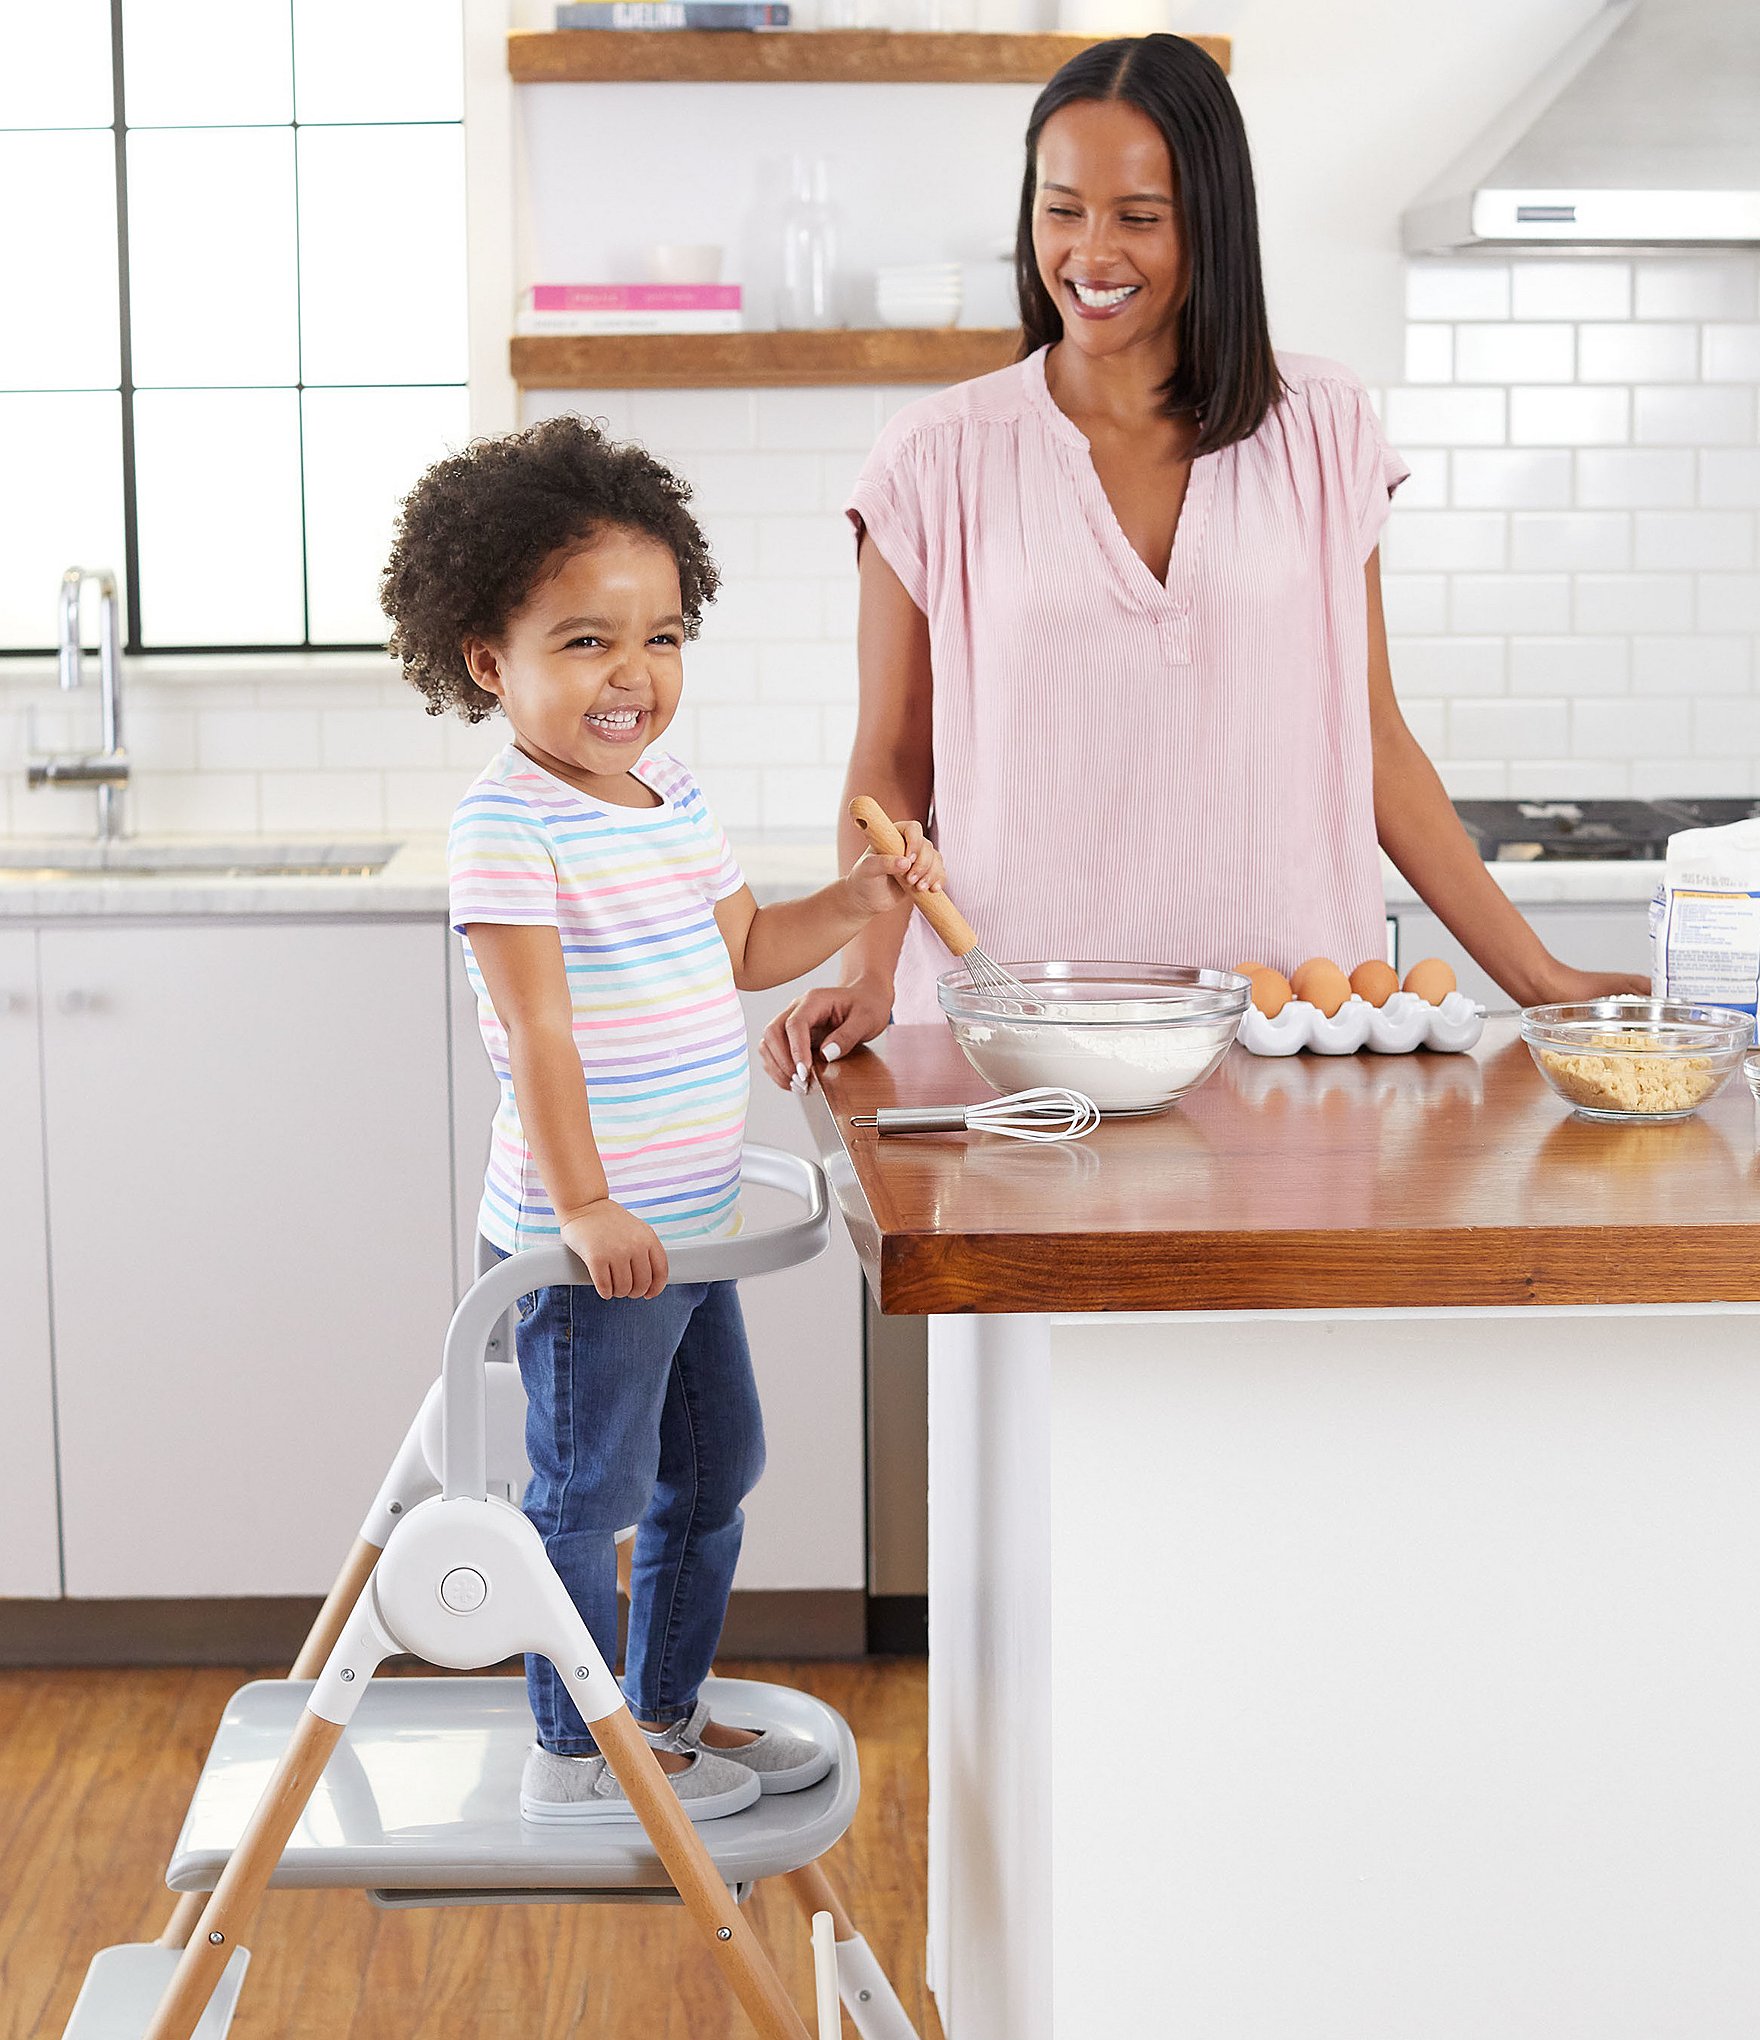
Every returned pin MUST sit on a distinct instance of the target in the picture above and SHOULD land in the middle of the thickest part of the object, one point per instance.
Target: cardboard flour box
(1705, 918)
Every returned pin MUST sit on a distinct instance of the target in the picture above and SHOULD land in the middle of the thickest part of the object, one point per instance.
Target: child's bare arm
(528, 987)
(774, 945)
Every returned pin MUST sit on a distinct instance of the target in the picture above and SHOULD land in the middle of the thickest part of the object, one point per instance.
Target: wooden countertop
(1302, 1182)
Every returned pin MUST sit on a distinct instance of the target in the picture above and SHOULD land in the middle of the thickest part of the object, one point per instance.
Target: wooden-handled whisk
(942, 915)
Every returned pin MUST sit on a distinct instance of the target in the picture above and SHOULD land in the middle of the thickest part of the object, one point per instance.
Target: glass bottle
(808, 299)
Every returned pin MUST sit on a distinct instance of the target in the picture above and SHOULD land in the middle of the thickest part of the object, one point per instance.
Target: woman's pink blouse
(1173, 773)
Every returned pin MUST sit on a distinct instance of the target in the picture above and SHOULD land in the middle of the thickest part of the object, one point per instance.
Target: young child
(556, 575)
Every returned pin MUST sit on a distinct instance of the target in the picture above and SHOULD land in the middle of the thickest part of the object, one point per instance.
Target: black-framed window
(232, 307)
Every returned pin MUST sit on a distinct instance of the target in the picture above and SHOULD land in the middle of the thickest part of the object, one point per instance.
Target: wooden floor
(95, 1769)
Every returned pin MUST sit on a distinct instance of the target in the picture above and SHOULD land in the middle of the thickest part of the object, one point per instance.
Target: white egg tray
(1406, 1022)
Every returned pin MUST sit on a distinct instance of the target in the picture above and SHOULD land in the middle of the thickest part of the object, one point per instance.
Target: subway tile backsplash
(1578, 589)
(1571, 578)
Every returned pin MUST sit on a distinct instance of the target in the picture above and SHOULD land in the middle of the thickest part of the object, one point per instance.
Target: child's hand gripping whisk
(943, 916)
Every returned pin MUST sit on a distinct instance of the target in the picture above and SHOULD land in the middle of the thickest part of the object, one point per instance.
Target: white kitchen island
(1345, 1555)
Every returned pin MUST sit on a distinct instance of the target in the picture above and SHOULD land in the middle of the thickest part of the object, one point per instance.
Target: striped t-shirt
(657, 1020)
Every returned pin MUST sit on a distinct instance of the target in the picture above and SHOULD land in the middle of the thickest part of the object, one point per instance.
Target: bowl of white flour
(1135, 1037)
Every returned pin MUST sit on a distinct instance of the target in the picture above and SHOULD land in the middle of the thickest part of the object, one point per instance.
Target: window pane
(55, 64)
(62, 504)
(207, 61)
(213, 289)
(381, 250)
(378, 59)
(364, 451)
(218, 503)
(58, 261)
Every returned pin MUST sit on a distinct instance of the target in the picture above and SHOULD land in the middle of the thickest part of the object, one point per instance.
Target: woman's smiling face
(1106, 226)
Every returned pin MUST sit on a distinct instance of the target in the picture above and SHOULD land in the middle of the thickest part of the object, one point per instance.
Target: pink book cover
(635, 297)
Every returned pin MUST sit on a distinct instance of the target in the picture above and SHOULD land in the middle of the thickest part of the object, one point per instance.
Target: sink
(36, 863)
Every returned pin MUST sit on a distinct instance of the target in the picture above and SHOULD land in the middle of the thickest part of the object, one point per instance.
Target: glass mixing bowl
(1135, 1037)
(1636, 1059)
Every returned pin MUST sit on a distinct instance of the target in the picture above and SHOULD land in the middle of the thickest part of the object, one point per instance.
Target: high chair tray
(423, 1794)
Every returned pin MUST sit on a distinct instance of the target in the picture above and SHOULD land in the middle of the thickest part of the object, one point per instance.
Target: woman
(1120, 615)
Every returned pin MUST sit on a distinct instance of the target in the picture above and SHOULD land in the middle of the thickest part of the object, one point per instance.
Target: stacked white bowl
(918, 294)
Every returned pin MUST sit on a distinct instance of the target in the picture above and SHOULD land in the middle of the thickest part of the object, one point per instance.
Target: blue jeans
(646, 1412)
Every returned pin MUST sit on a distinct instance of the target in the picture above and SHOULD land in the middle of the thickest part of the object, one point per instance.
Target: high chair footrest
(423, 1795)
(123, 1987)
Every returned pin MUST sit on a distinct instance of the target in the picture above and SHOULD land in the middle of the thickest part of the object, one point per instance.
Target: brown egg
(1375, 981)
(1248, 970)
(1271, 991)
(1431, 980)
(1321, 984)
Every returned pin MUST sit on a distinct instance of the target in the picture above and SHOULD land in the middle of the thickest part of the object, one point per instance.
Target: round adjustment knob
(464, 1590)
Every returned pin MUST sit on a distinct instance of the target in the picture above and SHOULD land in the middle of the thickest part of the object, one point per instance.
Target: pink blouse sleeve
(1373, 466)
(887, 506)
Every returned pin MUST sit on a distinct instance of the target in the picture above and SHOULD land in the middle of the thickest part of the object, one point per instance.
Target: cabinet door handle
(76, 1002)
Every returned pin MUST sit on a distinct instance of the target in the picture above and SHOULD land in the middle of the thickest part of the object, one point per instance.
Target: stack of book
(672, 14)
(630, 308)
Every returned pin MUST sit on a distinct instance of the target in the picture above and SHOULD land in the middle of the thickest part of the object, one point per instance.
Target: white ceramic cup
(684, 262)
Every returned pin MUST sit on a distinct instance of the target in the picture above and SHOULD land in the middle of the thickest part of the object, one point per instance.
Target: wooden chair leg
(242, 1883)
(747, 1967)
(867, 1992)
(815, 1893)
(182, 1922)
(338, 1606)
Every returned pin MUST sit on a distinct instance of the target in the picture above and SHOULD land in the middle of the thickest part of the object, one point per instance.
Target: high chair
(409, 1788)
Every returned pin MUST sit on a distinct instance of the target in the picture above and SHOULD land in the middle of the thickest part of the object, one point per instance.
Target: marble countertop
(413, 882)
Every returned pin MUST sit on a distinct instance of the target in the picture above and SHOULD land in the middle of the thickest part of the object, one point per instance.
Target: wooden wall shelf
(660, 361)
(855, 56)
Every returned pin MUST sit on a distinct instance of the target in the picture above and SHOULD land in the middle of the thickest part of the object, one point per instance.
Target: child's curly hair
(481, 529)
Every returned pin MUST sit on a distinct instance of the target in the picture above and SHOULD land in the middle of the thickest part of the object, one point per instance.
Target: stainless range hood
(1645, 129)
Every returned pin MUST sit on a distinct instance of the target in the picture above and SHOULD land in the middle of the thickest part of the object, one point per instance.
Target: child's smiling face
(590, 669)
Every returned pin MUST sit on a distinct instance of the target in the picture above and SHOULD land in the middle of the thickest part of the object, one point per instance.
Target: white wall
(1352, 108)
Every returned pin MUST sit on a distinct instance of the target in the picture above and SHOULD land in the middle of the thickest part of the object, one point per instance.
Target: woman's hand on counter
(830, 1020)
(1560, 985)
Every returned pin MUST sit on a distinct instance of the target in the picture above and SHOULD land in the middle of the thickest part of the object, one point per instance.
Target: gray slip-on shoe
(573, 1789)
(779, 1762)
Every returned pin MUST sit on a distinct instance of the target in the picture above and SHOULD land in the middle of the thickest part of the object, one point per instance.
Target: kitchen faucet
(107, 770)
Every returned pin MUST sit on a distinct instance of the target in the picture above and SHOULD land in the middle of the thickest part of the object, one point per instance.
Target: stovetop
(1520, 831)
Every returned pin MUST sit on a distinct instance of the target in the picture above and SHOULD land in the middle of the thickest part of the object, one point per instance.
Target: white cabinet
(30, 1543)
(475, 1095)
(1610, 937)
(238, 1192)
(804, 1524)
(250, 1191)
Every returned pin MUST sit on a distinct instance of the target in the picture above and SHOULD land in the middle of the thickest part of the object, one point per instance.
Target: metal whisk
(1045, 1113)
(943, 916)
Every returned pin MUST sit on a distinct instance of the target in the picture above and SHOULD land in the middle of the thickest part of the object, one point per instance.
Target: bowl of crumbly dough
(1636, 1059)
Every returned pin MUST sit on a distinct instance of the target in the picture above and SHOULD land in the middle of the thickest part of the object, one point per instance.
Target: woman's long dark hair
(1227, 373)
